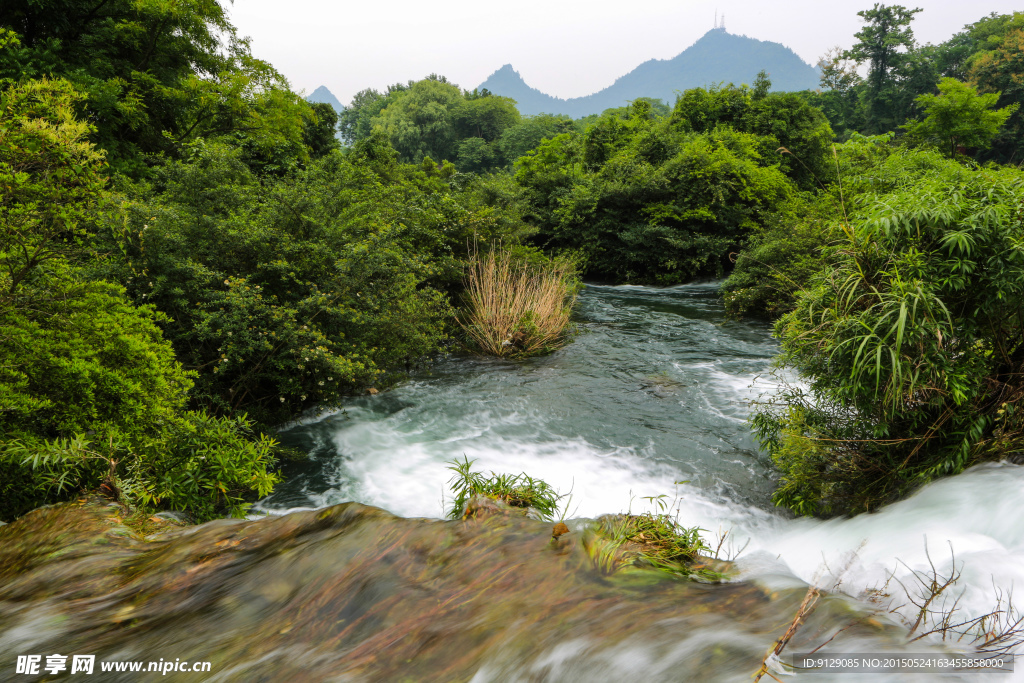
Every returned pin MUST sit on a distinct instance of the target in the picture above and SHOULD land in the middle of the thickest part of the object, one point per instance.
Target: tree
(485, 117)
(155, 74)
(780, 120)
(883, 43)
(998, 67)
(958, 117)
(762, 85)
(87, 380)
(838, 74)
(520, 138)
(318, 133)
(355, 123)
(419, 121)
(50, 180)
(649, 200)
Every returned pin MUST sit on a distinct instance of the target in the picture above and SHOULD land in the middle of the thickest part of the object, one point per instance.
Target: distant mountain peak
(717, 56)
(322, 94)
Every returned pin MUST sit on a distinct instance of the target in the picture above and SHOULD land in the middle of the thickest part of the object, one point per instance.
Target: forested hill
(718, 56)
(322, 94)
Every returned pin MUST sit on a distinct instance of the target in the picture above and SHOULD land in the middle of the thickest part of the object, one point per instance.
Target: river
(650, 399)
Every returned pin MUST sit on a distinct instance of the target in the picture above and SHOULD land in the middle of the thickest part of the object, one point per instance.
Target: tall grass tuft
(517, 309)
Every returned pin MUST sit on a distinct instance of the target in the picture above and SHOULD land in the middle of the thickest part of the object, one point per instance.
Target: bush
(513, 308)
(290, 293)
(647, 202)
(912, 344)
(202, 465)
(90, 391)
(780, 259)
(82, 358)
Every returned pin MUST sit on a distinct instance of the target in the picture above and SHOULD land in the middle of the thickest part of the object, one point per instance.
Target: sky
(566, 48)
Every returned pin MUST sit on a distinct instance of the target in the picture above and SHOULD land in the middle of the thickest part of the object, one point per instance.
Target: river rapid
(651, 399)
(364, 581)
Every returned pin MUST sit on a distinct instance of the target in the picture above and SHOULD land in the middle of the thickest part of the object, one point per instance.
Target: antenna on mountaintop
(716, 17)
(723, 22)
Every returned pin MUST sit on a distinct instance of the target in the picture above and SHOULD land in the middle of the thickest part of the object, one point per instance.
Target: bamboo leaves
(907, 344)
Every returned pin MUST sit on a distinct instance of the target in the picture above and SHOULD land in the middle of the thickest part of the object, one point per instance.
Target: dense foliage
(985, 55)
(188, 256)
(155, 76)
(90, 388)
(650, 199)
(436, 119)
(203, 261)
(292, 293)
(911, 342)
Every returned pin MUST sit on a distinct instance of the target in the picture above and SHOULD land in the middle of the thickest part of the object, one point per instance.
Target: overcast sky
(565, 48)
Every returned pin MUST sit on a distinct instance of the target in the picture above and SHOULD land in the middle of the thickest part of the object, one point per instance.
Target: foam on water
(654, 391)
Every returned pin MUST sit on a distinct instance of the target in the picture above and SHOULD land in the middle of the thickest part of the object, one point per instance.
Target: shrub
(513, 308)
(90, 390)
(912, 344)
(649, 203)
(203, 465)
(780, 259)
(82, 358)
(290, 293)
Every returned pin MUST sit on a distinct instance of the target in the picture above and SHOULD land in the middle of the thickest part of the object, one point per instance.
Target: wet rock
(353, 593)
(173, 516)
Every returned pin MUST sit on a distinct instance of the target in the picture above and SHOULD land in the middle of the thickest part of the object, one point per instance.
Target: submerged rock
(353, 593)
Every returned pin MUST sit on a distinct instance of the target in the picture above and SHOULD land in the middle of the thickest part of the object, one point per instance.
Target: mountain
(717, 57)
(322, 94)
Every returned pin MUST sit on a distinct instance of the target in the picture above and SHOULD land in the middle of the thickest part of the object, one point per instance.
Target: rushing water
(654, 391)
(652, 398)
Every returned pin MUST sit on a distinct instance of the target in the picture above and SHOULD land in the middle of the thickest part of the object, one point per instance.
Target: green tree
(762, 85)
(958, 117)
(155, 74)
(780, 120)
(485, 117)
(355, 123)
(50, 177)
(998, 67)
(319, 130)
(647, 201)
(87, 380)
(884, 42)
(525, 135)
(420, 121)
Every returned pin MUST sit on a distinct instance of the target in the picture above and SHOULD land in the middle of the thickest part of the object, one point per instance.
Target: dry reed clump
(516, 309)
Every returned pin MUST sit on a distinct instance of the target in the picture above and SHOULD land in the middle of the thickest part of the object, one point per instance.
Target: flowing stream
(651, 399)
(653, 391)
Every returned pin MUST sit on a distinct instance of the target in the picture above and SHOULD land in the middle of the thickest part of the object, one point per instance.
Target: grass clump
(517, 308)
(653, 540)
(518, 490)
